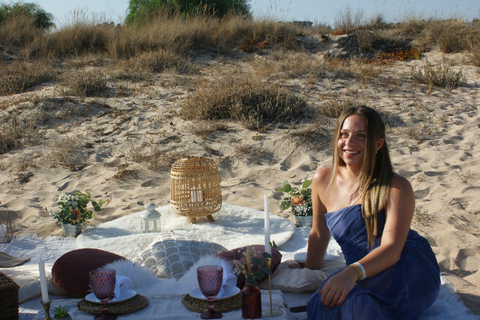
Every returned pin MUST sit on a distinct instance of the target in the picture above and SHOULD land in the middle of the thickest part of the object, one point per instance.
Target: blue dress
(400, 292)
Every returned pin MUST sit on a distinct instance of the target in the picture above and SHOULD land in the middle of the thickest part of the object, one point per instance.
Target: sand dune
(123, 144)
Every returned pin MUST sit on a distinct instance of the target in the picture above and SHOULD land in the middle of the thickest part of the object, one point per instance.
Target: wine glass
(102, 281)
(210, 280)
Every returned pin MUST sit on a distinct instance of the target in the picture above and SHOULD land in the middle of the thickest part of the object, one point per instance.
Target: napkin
(122, 284)
(229, 279)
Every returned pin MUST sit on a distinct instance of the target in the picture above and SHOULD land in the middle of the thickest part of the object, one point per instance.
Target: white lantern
(150, 219)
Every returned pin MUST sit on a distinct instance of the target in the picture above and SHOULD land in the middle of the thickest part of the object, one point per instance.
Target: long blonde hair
(376, 171)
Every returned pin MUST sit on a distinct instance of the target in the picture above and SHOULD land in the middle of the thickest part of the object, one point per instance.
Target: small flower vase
(251, 302)
(303, 221)
(71, 230)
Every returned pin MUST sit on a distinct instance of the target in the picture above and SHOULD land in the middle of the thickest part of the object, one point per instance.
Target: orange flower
(78, 214)
(297, 200)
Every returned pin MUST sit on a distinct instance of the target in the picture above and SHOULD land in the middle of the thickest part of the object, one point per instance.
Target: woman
(391, 271)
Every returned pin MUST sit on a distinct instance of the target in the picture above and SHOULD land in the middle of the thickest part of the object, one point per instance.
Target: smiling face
(351, 142)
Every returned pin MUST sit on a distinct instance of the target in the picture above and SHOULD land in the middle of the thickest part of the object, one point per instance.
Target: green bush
(42, 19)
(140, 11)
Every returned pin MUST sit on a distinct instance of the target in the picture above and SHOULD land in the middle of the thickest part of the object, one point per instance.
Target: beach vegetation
(439, 75)
(41, 19)
(246, 99)
(141, 11)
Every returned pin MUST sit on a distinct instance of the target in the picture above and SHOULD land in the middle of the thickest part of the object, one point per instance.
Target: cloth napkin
(122, 284)
(229, 279)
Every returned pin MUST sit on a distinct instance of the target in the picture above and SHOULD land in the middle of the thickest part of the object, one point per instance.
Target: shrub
(20, 76)
(42, 20)
(248, 100)
(140, 11)
(438, 76)
(86, 83)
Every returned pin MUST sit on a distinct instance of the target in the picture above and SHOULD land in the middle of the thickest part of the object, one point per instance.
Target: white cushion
(172, 254)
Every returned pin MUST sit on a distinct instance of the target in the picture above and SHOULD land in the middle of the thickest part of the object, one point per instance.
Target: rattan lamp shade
(195, 188)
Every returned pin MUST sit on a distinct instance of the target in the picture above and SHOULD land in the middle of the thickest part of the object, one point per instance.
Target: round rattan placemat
(224, 305)
(131, 305)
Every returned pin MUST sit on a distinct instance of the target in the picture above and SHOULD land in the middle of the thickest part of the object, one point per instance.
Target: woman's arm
(319, 234)
(399, 213)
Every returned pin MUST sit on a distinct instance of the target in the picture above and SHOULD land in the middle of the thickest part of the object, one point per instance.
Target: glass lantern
(6, 231)
(150, 219)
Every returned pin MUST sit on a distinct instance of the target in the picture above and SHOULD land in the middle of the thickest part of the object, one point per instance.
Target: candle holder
(270, 312)
(46, 307)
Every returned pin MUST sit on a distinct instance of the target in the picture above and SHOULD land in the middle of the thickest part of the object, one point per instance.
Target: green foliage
(73, 208)
(42, 19)
(60, 312)
(140, 11)
(299, 199)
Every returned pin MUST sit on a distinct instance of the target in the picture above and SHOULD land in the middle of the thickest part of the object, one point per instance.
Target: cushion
(172, 254)
(291, 277)
(26, 277)
(71, 271)
(239, 254)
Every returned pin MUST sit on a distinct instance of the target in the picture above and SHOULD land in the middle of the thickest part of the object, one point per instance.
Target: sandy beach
(122, 146)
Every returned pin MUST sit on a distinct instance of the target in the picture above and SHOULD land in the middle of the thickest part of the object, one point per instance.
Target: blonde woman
(391, 271)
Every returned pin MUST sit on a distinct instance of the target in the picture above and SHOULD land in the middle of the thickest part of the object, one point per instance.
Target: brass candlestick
(271, 312)
(46, 307)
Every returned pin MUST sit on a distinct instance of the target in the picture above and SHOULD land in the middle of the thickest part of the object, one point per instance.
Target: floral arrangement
(246, 268)
(300, 199)
(73, 208)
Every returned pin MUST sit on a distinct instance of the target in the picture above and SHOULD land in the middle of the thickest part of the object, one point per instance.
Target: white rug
(233, 227)
(447, 306)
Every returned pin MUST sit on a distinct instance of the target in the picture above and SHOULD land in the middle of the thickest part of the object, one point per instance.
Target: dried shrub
(333, 108)
(438, 76)
(203, 128)
(246, 99)
(86, 83)
(400, 55)
(18, 77)
(17, 130)
(65, 151)
(159, 61)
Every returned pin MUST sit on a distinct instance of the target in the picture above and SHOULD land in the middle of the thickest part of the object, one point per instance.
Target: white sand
(443, 167)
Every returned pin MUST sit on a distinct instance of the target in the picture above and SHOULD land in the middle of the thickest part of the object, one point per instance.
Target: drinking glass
(102, 281)
(210, 280)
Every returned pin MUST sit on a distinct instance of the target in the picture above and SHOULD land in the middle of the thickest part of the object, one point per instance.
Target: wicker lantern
(6, 231)
(195, 188)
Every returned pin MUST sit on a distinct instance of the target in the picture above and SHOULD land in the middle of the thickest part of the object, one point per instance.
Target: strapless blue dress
(400, 292)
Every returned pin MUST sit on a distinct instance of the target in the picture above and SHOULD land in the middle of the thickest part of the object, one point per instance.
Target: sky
(317, 11)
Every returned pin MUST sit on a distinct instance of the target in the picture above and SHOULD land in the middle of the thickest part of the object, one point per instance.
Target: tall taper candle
(43, 281)
(268, 249)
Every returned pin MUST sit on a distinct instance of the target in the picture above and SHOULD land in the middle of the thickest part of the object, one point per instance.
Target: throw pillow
(172, 254)
(71, 271)
(239, 254)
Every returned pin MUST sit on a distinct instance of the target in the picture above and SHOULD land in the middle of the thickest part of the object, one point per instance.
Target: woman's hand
(337, 288)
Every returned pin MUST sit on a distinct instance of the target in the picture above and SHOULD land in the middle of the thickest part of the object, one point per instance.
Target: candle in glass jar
(268, 249)
(43, 281)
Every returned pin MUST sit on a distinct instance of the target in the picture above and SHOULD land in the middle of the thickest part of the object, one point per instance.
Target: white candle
(43, 281)
(268, 249)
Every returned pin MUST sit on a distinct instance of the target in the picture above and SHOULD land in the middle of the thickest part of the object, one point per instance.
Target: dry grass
(17, 131)
(251, 101)
(203, 129)
(438, 76)
(65, 151)
(88, 83)
(333, 108)
(20, 76)
(159, 61)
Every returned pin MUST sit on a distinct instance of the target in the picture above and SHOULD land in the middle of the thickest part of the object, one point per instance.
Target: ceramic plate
(228, 291)
(123, 296)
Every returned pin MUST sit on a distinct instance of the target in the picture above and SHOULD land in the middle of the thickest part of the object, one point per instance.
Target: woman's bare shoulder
(322, 177)
(400, 183)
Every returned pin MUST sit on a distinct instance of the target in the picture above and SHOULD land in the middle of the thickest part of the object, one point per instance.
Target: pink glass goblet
(102, 281)
(210, 280)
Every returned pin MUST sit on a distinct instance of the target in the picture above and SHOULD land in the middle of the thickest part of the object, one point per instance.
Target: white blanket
(447, 306)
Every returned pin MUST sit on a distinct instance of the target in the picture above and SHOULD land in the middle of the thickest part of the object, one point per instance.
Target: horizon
(318, 12)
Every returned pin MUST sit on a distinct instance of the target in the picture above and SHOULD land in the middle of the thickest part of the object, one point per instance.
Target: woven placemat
(224, 305)
(131, 305)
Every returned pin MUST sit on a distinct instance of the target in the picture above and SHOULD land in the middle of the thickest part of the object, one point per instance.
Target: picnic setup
(197, 257)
